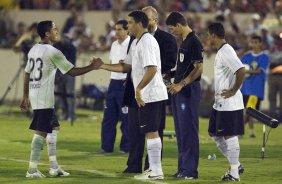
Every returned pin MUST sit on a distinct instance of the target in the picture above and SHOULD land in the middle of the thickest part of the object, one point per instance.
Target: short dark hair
(140, 16)
(123, 23)
(217, 29)
(176, 18)
(256, 37)
(43, 27)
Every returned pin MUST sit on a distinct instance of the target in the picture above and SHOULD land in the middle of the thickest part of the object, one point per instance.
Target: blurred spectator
(65, 84)
(3, 32)
(275, 78)
(21, 29)
(102, 4)
(117, 7)
(256, 25)
(26, 4)
(6, 25)
(15, 36)
(8, 4)
(110, 33)
(198, 5)
(70, 22)
(26, 41)
(81, 35)
(102, 44)
(266, 38)
(46, 4)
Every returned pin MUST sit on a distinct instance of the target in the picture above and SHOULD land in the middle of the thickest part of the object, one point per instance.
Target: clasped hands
(96, 63)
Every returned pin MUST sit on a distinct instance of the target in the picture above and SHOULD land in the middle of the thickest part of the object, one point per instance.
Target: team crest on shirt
(254, 65)
(183, 106)
(181, 57)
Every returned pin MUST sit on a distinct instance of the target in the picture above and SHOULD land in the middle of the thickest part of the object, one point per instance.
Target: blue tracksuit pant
(114, 111)
(185, 109)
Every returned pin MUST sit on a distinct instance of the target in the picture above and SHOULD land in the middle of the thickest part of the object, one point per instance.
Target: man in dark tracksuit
(168, 50)
(186, 96)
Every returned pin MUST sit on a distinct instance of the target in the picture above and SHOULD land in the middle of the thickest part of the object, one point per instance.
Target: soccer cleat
(123, 152)
(182, 176)
(101, 150)
(176, 174)
(229, 177)
(190, 178)
(37, 174)
(130, 171)
(58, 172)
(150, 175)
(241, 169)
(148, 170)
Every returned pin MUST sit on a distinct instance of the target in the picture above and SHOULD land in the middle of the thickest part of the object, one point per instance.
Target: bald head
(152, 11)
(153, 17)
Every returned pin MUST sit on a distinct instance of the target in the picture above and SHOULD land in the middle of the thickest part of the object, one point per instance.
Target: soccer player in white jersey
(43, 62)
(150, 90)
(226, 121)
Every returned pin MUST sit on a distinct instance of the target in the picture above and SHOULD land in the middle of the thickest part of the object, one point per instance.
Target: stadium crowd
(84, 39)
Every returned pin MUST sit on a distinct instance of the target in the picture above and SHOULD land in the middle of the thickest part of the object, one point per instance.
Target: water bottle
(212, 157)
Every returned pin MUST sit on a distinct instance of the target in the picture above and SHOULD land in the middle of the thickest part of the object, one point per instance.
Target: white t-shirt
(118, 52)
(43, 61)
(143, 53)
(226, 65)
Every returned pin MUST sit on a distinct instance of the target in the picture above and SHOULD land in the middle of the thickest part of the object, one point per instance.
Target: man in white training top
(226, 121)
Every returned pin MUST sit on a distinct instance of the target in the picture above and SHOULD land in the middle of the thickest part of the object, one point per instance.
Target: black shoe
(229, 177)
(128, 171)
(123, 151)
(101, 150)
(241, 169)
(186, 177)
(176, 174)
(252, 136)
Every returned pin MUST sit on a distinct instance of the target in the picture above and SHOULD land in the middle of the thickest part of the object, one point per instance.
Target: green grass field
(77, 154)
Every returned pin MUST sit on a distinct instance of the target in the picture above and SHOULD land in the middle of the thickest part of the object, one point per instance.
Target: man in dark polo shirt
(186, 93)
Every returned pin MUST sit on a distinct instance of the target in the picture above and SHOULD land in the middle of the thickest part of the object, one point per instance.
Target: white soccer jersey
(43, 61)
(226, 65)
(143, 53)
(118, 52)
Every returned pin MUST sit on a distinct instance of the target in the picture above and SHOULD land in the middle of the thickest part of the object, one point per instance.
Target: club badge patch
(181, 57)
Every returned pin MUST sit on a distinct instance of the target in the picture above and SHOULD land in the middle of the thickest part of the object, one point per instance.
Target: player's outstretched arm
(75, 71)
(120, 67)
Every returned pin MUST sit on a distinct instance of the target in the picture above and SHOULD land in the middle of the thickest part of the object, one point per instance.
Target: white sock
(221, 144)
(51, 141)
(154, 147)
(252, 132)
(35, 155)
(233, 152)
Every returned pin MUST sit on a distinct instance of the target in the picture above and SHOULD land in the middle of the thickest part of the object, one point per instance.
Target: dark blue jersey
(189, 53)
(254, 84)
